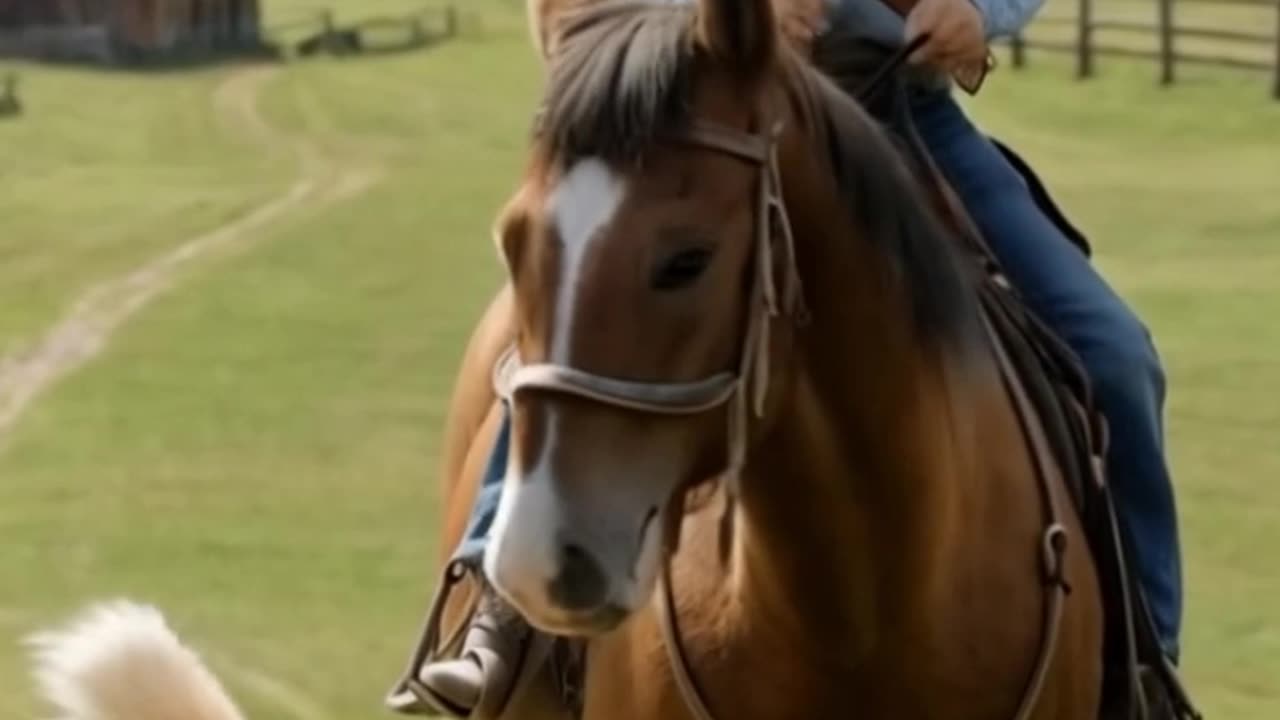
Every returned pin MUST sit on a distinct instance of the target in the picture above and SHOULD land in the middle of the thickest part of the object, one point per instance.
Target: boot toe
(457, 683)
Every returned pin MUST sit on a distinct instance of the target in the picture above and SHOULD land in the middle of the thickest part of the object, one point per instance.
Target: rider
(1056, 279)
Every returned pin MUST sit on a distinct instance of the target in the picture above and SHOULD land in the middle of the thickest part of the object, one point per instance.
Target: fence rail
(322, 31)
(1236, 47)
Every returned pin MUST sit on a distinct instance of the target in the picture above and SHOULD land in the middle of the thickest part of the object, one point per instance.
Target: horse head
(648, 252)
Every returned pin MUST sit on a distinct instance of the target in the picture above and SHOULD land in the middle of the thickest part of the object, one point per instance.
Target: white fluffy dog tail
(120, 661)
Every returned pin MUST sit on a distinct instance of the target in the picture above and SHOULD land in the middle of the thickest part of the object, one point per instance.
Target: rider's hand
(801, 21)
(957, 35)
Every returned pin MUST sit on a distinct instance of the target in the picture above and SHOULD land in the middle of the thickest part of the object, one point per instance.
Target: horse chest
(775, 681)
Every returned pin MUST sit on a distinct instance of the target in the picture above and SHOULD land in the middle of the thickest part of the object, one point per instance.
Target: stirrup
(403, 696)
(408, 695)
(493, 654)
(411, 696)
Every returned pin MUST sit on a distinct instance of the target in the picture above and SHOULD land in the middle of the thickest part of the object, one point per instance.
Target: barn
(122, 31)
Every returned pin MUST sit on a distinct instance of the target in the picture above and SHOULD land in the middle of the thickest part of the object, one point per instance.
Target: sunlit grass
(256, 451)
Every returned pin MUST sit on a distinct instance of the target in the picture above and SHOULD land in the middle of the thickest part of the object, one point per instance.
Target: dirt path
(86, 328)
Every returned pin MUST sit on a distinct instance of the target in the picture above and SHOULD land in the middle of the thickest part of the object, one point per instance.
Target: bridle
(743, 389)
(746, 387)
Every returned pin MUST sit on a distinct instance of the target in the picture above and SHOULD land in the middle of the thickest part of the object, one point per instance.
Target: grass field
(254, 448)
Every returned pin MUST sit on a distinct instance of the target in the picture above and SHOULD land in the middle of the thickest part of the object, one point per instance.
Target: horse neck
(846, 501)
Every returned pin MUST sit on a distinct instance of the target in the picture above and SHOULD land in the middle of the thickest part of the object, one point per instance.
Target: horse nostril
(581, 584)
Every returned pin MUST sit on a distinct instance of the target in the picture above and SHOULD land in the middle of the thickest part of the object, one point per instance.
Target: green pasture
(102, 171)
(254, 450)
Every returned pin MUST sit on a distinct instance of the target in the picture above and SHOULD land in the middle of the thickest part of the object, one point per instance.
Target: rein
(891, 66)
(1053, 540)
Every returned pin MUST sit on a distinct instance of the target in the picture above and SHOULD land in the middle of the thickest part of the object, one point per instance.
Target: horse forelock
(620, 78)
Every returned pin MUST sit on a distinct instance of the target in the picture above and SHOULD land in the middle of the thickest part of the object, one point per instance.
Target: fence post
(417, 31)
(1275, 91)
(1018, 49)
(1167, 54)
(451, 20)
(328, 30)
(1084, 40)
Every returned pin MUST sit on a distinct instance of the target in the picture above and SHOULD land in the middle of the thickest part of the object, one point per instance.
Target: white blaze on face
(522, 555)
(522, 541)
(613, 523)
(581, 206)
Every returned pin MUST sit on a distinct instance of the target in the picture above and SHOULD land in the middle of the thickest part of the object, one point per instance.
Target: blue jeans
(1066, 292)
(471, 551)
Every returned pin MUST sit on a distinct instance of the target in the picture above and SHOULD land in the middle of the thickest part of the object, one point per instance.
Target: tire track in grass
(88, 325)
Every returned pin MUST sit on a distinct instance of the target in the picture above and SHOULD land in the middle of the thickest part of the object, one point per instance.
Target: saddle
(1048, 383)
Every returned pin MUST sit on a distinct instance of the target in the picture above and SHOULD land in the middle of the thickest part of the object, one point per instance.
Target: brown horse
(715, 254)
(723, 280)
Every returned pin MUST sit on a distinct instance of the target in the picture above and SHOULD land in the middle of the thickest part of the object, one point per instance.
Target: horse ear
(743, 33)
(537, 11)
(543, 16)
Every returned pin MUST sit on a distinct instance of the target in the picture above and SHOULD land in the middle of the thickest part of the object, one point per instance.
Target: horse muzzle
(573, 570)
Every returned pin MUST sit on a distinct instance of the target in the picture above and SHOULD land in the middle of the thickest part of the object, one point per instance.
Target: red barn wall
(147, 26)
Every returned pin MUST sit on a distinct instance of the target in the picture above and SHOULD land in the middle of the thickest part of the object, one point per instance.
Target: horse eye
(681, 270)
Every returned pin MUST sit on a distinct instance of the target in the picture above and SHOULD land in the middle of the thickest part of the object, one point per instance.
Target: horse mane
(887, 203)
(621, 78)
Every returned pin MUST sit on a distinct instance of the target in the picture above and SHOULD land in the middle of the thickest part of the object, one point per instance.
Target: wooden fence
(10, 105)
(1091, 33)
(321, 31)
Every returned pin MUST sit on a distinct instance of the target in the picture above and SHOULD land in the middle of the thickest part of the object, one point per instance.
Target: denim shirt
(875, 20)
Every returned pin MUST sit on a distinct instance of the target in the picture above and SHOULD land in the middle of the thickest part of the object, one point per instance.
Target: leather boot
(477, 684)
